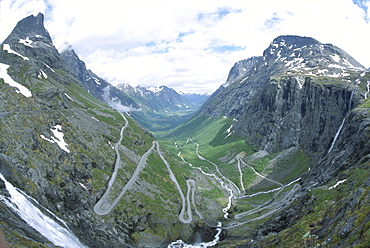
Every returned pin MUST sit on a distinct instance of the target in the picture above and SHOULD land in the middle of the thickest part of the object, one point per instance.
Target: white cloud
(183, 44)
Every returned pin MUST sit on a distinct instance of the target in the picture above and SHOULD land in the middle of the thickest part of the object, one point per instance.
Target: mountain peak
(30, 28)
(307, 55)
(299, 41)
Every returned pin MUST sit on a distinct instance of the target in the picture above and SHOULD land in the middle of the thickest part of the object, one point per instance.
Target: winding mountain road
(103, 207)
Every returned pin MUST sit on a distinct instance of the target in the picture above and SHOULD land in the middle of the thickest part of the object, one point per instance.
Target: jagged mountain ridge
(195, 98)
(161, 98)
(162, 108)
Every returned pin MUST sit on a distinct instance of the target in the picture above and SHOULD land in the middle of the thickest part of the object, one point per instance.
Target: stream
(344, 119)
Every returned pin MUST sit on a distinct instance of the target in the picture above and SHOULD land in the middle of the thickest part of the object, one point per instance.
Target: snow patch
(96, 81)
(6, 47)
(68, 97)
(296, 62)
(42, 74)
(92, 117)
(26, 42)
(57, 138)
(229, 130)
(44, 138)
(337, 184)
(8, 80)
(83, 186)
(336, 58)
(49, 67)
(57, 131)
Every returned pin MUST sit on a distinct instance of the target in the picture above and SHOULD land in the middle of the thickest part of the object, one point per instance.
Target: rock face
(281, 97)
(31, 27)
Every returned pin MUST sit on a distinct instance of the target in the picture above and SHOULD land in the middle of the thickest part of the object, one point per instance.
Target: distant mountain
(156, 98)
(162, 108)
(97, 86)
(195, 98)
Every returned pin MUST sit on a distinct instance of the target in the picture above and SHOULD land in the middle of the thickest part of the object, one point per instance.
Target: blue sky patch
(226, 48)
(362, 4)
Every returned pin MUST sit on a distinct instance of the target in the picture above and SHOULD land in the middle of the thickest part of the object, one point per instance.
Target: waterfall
(368, 89)
(22, 204)
(341, 126)
(336, 135)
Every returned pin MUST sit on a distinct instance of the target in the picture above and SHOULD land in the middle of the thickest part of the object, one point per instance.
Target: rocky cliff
(296, 94)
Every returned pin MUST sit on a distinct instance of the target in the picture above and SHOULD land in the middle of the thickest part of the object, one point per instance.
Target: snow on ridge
(26, 42)
(96, 81)
(7, 48)
(336, 58)
(8, 80)
(155, 89)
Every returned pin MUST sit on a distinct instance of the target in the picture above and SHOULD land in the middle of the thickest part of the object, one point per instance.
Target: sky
(188, 45)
